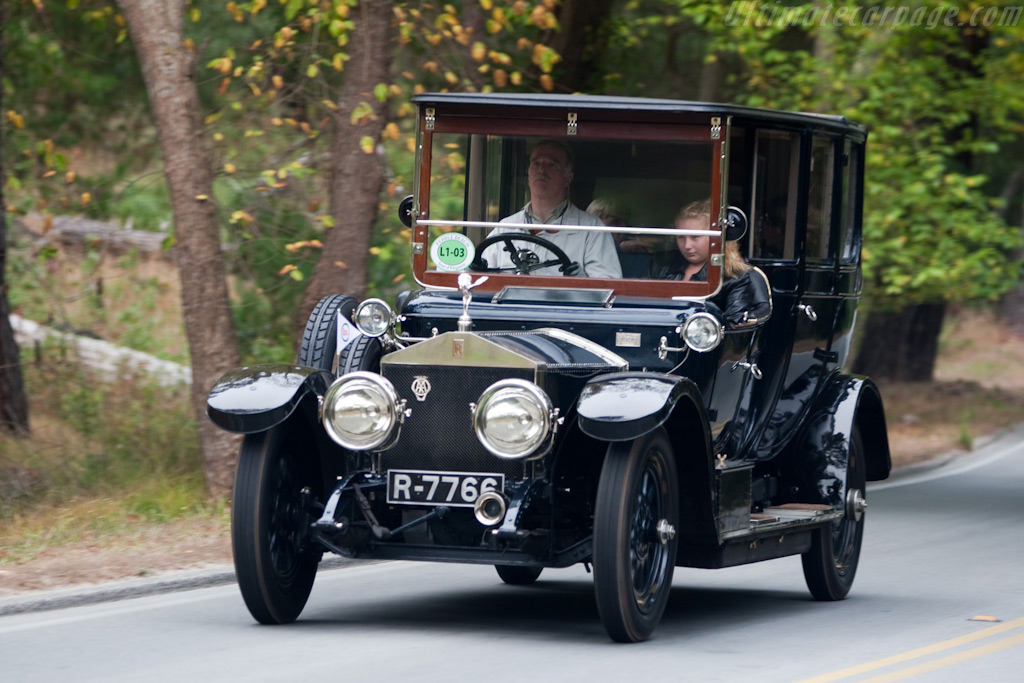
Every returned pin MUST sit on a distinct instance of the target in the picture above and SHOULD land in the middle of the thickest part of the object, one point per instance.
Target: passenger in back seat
(745, 297)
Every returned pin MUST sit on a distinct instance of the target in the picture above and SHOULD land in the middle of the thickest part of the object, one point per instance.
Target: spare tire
(320, 338)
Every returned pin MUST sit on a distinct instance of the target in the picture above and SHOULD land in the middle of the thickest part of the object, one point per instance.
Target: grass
(103, 457)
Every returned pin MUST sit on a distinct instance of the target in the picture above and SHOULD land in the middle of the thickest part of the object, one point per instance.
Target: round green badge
(452, 252)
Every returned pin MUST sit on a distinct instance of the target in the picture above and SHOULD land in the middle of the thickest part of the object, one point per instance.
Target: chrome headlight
(373, 317)
(702, 332)
(361, 411)
(513, 418)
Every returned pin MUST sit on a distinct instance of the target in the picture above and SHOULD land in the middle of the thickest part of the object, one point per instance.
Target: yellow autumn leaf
(69, 177)
(49, 174)
(398, 278)
(500, 78)
(200, 197)
(547, 82)
(277, 81)
(341, 264)
(391, 131)
(366, 144)
(375, 250)
(86, 198)
(312, 71)
(287, 269)
(16, 119)
(229, 168)
(450, 77)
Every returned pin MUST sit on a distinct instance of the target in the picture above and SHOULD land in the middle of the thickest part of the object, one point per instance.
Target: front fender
(824, 451)
(622, 406)
(258, 397)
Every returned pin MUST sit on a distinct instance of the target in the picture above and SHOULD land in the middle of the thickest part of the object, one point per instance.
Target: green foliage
(941, 100)
(102, 438)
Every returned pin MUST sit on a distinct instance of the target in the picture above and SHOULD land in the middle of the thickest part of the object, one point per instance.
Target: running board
(791, 515)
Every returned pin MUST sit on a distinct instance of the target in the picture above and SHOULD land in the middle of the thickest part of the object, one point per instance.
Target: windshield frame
(564, 122)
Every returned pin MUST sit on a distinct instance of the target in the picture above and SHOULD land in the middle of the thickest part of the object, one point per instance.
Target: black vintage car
(536, 406)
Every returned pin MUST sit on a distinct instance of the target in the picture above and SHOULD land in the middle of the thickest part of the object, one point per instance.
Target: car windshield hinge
(716, 127)
(429, 118)
(571, 128)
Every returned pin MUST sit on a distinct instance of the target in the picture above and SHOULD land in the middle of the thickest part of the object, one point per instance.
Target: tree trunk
(1011, 306)
(901, 346)
(581, 43)
(13, 404)
(356, 177)
(168, 66)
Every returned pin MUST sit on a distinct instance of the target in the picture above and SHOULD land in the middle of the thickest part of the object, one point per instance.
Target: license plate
(455, 489)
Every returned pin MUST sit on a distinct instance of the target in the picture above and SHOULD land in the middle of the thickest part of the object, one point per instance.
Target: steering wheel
(520, 265)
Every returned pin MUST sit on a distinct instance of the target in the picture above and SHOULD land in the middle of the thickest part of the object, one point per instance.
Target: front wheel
(275, 561)
(831, 563)
(635, 535)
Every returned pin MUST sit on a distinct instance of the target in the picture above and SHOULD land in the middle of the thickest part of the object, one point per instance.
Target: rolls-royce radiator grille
(439, 435)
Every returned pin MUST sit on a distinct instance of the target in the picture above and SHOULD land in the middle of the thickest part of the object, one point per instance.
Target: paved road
(942, 547)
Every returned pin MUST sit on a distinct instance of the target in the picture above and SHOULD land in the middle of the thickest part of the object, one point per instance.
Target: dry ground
(979, 390)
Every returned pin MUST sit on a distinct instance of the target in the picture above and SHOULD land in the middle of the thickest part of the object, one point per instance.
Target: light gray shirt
(593, 251)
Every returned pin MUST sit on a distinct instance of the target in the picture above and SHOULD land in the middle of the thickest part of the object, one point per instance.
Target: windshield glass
(578, 207)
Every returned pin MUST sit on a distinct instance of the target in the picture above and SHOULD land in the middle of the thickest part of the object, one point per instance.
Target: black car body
(534, 421)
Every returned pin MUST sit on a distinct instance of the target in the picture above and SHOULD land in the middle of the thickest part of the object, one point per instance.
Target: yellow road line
(915, 654)
(950, 660)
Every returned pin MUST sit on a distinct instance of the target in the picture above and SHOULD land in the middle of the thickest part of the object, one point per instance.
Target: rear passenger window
(849, 226)
(819, 200)
(777, 164)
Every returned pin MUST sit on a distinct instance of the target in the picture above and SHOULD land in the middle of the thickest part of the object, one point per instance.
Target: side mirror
(405, 211)
(735, 224)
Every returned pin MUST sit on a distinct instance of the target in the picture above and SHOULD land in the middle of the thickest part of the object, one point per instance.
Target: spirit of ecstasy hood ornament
(466, 286)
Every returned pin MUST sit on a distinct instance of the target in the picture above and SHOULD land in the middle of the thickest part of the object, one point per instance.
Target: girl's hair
(734, 263)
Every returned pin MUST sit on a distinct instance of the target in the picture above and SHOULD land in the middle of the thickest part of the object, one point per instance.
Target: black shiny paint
(821, 456)
(256, 398)
(623, 406)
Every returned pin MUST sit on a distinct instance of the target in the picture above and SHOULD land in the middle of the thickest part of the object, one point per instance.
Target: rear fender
(256, 398)
(824, 451)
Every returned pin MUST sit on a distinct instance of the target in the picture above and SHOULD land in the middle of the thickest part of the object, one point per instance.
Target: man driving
(549, 177)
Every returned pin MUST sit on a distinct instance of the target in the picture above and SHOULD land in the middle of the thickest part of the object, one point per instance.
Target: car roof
(606, 103)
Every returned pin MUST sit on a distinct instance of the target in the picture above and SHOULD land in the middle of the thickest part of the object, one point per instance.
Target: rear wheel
(831, 563)
(320, 338)
(635, 535)
(275, 561)
(518, 576)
